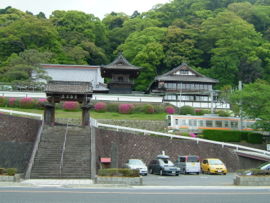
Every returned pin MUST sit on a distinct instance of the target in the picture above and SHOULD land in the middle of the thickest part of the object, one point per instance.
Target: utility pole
(212, 101)
(240, 112)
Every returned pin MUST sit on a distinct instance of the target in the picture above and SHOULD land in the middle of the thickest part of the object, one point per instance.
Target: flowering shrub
(199, 112)
(149, 109)
(169, 110)
(71, 106)
(100, 107)
(27, 103)
(40, 102)
(3, 101)
(12, 102)
(126, 108)
(192, 135)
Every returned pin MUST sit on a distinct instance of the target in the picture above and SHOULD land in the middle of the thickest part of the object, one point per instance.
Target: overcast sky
(97, 7)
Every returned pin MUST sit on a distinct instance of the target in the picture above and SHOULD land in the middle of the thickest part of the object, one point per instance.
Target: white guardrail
(223, 144)
(10, 112)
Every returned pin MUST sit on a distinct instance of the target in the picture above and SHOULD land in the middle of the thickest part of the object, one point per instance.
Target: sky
(97, 7)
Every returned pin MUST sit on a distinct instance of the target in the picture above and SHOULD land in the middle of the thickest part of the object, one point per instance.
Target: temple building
(121, 75)
(184, 86)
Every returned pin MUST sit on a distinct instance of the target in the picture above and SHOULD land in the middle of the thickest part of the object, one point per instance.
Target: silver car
(138, 165)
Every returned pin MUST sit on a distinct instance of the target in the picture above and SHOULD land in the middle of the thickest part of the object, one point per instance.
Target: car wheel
(198, 173)
(177, 174)
(161, 172)
(224, 173)
(209, 172)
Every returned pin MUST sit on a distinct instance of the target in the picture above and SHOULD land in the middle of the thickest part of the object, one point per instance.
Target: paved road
(59, 195)
(189, 180)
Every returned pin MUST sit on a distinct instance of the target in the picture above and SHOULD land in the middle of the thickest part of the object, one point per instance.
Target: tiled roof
(197, 77)
(69, 66)
(72, 87)
(121, 63)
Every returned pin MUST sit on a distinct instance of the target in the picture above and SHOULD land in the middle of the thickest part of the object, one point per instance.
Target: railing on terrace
(197, 140)
(10, 112)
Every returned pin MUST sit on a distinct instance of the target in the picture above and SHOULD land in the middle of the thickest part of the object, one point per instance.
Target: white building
(83, 73)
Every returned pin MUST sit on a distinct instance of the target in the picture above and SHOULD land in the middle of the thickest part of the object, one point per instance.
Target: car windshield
(166, 162)
(215, 162)
(192, 159)
(135, 162)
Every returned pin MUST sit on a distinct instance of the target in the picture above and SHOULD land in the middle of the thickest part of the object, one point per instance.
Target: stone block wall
(17, 137)
(121, 146)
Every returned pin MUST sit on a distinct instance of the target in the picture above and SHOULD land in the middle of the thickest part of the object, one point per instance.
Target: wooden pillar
(49, 114)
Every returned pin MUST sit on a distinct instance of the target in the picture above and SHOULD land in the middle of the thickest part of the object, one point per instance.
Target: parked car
(163, 166)
(137, 164)
(188, 164)
(264, 166)
(213, 166)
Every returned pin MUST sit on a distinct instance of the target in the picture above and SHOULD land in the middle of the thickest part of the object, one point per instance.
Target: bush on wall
(126, 108)
(28, 103)
(3, 101)
(184, 110)
(71, 106)
(170, 110)
(119, 172)
(100, 107)
(149, 109)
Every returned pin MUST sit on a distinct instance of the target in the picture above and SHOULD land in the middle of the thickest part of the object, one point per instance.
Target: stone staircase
(76, 156)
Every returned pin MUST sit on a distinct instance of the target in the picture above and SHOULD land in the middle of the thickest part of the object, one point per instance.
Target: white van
(188, 164)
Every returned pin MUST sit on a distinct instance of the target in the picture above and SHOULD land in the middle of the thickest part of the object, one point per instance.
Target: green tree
(25, 66)
(232, 44)
(254, 100)
(148, 58)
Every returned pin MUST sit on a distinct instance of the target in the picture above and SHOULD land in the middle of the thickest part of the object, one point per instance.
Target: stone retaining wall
(17, 137)
(252, 180)
(119, 180)
(121, 146)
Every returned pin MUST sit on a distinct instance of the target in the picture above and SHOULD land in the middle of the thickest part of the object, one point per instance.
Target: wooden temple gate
(57, 91)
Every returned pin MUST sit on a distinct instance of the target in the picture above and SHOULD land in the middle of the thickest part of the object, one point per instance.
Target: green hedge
(222, 135)
(119, 172)
(233, 136)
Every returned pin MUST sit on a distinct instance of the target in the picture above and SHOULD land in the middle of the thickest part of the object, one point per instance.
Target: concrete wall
(17, 136)
(122, 146)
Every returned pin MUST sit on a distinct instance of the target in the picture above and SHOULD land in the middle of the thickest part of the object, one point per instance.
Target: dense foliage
(224, 39)
(233, 136)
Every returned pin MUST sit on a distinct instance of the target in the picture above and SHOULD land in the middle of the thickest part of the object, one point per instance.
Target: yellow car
(213, 166)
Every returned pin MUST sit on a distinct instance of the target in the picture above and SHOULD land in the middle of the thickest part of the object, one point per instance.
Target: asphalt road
(189, 180)
(59, 195)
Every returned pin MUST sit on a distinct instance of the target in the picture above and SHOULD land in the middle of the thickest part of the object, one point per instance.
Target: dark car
(163, 166)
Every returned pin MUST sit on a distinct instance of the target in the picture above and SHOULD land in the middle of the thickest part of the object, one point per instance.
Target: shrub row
(233, 136)
(31, 103)
(119, 172)
(8, 171)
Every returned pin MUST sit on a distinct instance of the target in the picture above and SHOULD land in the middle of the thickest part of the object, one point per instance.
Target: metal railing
(11, 112)
(63, 151)
(197, 140)
(34, 152)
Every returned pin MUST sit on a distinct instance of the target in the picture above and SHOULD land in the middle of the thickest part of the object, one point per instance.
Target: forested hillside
(228, 40)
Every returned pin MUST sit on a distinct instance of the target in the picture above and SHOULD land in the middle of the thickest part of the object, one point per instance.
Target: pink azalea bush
(192, 135)
(40, 102)
(12, 102)
(27, 103)
(71, 106)
(169, 110)
(100, 107)
(126, 108)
